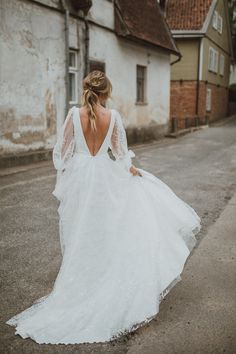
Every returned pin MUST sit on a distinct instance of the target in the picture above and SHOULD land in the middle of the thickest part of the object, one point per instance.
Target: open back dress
(124, 242)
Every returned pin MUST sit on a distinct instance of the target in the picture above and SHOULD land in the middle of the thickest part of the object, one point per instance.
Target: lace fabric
(119, 145)
(64, 147)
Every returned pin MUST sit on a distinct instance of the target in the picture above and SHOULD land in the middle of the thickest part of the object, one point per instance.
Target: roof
(143, 21)
(187, 14)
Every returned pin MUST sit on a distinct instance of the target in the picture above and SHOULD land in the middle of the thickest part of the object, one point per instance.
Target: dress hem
(186, 234)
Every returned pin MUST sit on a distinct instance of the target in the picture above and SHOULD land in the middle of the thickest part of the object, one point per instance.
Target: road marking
(22, 183)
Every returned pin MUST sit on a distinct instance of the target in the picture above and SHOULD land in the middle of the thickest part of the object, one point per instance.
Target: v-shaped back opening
(105, 138)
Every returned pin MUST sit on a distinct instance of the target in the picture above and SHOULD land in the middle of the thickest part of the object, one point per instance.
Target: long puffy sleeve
(119, 144)
(64, 147)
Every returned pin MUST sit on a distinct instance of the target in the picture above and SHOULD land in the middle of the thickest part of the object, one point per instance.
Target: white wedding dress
(124, 240)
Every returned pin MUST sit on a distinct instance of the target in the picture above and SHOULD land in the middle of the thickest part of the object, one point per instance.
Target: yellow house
(200, 79)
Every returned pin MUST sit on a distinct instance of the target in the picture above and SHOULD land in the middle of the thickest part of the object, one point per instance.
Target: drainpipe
(86, 53)
(198, 80)
(66, 19)
(176, 61)
(174, 120)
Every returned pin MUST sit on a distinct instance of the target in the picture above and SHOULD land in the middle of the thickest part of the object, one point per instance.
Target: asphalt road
(201, 169)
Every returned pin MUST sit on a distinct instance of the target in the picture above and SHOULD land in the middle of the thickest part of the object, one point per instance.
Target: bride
(125, 235)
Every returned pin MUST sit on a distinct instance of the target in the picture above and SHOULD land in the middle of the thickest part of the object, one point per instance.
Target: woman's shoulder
(116, 113)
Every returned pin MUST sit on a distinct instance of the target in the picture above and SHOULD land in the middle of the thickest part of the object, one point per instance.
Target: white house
(48, 46)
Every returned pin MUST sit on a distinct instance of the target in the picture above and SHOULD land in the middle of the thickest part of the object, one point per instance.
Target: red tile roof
(143, 21)
(187, 14)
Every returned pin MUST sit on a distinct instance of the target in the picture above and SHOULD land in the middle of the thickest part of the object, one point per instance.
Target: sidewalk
(199, 315)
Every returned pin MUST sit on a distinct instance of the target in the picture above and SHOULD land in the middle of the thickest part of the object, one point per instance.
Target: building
(200, 80)
(48, 46)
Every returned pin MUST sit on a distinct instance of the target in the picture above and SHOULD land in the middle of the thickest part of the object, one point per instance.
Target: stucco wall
(32, 71)
(121, 57)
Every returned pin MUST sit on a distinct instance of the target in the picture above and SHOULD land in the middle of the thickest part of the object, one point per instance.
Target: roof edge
(125, 32)
(148, 43)
(170, 34)
(209, 16)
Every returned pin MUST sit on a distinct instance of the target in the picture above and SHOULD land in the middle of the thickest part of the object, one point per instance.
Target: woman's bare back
(94, 140)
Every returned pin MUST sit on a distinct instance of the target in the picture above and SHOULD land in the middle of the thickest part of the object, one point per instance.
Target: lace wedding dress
(124, 241)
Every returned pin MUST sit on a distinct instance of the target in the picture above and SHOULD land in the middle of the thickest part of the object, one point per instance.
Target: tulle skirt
(124, 240)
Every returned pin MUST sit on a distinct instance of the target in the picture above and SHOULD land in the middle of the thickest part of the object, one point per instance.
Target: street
(199, 314)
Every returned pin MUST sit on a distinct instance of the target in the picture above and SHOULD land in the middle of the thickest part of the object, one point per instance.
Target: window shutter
(216, 61)
(219, 24)
(211, 59)
(215, 20)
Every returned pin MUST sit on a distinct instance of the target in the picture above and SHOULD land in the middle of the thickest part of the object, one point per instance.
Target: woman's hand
(135, 171)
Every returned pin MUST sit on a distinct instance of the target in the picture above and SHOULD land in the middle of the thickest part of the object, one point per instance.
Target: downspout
(176, 61)
(86, 53)
(174, 120)
(66, 19)
(198, 80)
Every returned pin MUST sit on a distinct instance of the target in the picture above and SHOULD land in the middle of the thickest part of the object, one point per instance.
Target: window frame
(216, 66)
(213, 60)
(143, 99)
(220, 24)
(215, 20)
(73, 70)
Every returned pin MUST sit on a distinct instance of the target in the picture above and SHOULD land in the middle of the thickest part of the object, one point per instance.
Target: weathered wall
(215, 78)
(121, 57)
(222, 39)
(183, 101)
(32, 71)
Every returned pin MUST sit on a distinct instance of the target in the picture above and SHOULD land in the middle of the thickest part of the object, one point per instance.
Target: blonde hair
(95, 84)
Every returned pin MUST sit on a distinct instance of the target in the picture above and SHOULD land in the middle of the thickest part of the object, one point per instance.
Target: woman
(125, 235)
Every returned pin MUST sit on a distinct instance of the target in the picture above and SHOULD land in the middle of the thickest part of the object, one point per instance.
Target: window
(96, 65)
(222, 64)
(213, 60)
(219, 24)
(73, 79)
(208, 100)
(141, 84)
(216, 61)
(215, 20)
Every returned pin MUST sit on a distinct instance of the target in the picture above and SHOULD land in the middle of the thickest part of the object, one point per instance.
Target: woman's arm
(64, 147)
(119, 146)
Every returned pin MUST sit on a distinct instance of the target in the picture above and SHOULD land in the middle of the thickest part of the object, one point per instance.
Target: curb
(25, 158)
(186, 131)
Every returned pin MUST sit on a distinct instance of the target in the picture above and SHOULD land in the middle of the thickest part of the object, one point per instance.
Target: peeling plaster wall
(32, 71)
(121, 57)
